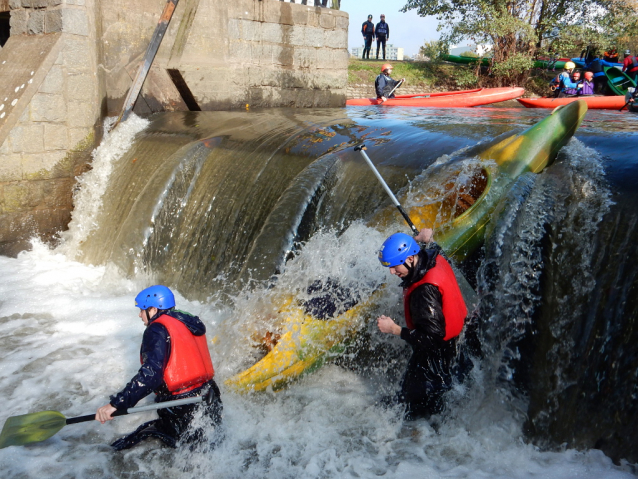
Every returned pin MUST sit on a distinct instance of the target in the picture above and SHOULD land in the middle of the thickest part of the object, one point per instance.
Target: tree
(519, 30)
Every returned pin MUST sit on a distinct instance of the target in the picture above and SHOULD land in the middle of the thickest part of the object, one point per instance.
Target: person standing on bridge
(176, 364)
(382, 31)
(434, 314)
(367, 30)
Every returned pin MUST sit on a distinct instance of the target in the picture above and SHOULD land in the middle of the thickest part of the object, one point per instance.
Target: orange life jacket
(454, 310)
(189, 365)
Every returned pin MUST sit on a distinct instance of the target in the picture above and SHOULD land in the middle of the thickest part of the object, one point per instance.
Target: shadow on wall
(4, 27)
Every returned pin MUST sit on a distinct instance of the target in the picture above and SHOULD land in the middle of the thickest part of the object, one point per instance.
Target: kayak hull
(307, 342)
(461, 99)
(466, 60)
(593, 102)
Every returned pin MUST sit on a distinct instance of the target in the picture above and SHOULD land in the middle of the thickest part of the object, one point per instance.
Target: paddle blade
(28, 428)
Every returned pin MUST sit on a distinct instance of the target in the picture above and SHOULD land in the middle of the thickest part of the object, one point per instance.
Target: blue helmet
(157, 296)
(396, 249)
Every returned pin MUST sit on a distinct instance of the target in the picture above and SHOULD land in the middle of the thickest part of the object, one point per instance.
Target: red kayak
(593, 102)
(448, 99)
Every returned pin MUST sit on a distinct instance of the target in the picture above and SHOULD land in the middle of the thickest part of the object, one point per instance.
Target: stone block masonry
(69, 63)
(49, 109)
(260, 53)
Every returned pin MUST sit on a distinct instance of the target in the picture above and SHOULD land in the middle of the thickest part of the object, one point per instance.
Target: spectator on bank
(367, 30)
(382, 31)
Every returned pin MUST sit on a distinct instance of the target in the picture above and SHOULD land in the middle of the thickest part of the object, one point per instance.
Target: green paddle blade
(28, 428)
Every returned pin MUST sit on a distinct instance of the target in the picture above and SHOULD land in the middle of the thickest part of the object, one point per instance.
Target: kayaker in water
(176, 364)
(384, 84)
(588, 84)
(563, 82)
(434, 314)
(595, 65)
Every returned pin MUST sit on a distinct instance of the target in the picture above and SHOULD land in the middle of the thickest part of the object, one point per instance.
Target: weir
(70, 63)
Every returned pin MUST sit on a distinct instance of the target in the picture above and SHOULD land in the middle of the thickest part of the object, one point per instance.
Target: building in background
(391, 52)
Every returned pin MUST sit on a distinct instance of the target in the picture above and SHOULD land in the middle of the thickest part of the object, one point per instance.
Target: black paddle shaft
(91, 417)
(151, 407)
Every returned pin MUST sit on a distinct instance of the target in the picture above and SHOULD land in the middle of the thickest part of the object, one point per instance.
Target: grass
(429, 75)
(438, 76)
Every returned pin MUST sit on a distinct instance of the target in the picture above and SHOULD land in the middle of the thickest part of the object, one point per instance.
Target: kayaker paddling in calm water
(384, 84)
(176, 364)
(434, 313)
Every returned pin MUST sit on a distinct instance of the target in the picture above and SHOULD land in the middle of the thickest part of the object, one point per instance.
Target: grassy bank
(439, 76)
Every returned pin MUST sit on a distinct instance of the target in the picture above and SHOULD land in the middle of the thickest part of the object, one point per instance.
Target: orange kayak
(593, 102)
(448, 99)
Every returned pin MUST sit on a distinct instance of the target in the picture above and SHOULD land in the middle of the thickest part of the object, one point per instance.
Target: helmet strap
(409, 268)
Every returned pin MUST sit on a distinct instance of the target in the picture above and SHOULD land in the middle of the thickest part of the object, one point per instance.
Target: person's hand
(388, 326)
(105, 413)
(383, 99)
(580, 85)
(424, 236)
(402, 80)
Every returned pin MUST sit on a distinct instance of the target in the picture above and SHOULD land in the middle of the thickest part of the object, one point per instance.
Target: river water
(235, 209)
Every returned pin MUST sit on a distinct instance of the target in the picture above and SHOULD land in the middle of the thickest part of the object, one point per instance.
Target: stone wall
(68, 63)
(51, 110)
(259, 53)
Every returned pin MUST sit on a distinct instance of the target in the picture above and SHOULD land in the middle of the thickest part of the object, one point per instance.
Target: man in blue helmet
(434, 312)
(176, 364)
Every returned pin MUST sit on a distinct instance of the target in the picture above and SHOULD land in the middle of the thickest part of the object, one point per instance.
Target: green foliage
(434, 49)
(469, 54)
(465, 77)
(520, 30)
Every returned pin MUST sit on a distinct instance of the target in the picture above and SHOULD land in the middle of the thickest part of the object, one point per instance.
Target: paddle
(396, 86)
(361, 148)
(39, 426)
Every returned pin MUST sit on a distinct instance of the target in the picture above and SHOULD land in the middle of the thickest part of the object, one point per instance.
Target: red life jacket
(189, 365)
(454, 310)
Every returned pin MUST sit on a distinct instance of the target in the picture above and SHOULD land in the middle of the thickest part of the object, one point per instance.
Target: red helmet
(589, 76)
(385, 66)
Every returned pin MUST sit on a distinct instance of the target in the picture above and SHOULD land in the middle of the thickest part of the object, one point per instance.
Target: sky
(407, 30)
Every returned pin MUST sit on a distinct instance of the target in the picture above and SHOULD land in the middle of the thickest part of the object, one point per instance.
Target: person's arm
(387, 27)
(427, 317)
(363, 29)
(155, 352)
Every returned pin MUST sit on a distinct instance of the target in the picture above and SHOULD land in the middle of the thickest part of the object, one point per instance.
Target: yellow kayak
(457, 199)
(304, 345)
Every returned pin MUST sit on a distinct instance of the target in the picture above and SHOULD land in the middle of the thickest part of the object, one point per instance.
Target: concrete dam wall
(70, 63)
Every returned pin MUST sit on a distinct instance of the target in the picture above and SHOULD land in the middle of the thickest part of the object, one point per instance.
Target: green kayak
(618, 80)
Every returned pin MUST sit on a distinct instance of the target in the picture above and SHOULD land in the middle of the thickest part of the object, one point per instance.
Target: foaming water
(71, 338)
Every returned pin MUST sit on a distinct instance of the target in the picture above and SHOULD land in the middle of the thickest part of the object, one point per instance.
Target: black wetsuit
(382, 31)
(428, 375)
(383, 85)
(367, 29)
